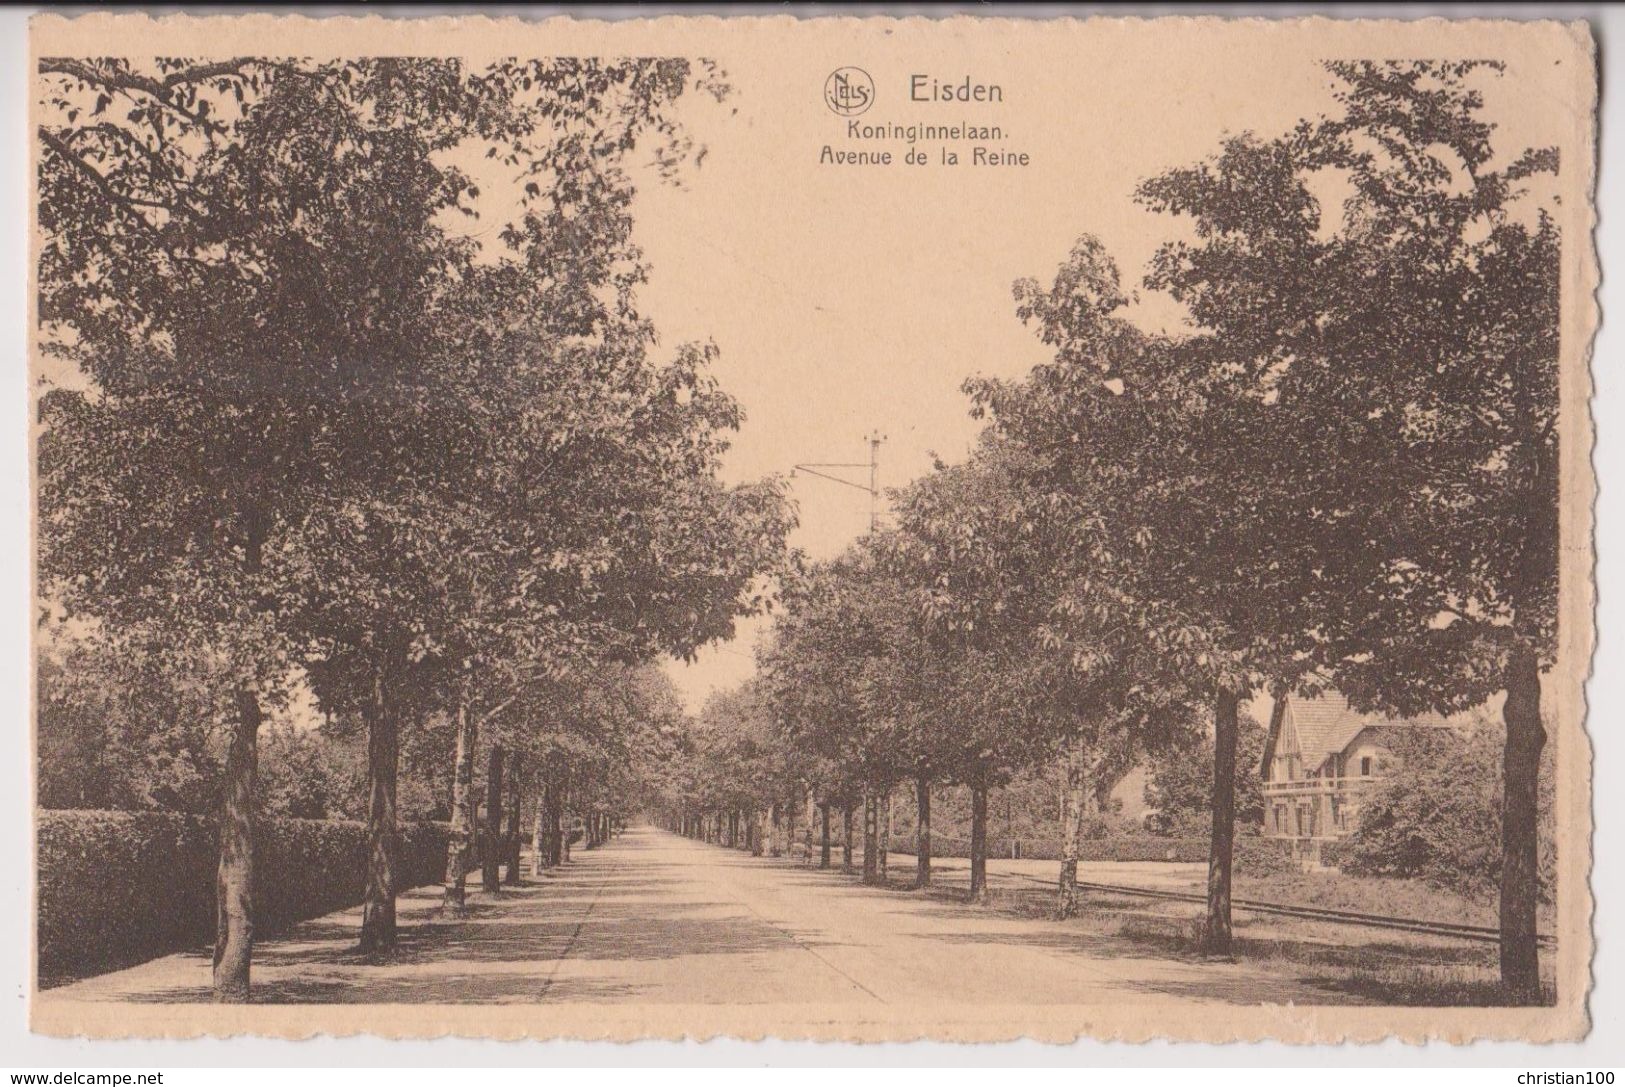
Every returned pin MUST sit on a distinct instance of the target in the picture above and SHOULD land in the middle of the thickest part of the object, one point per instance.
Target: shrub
(1145, 848)
(119, 887)
(1259, 856)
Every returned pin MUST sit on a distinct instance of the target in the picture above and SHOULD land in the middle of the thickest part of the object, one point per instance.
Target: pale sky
(849, 298)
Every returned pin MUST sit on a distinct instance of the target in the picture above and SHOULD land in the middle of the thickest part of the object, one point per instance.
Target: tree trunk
(846, 837)
(516, 775)
(1072, 801)
(922, 832)
(823, 848)
(757, 846)
(1520, 829)
(234, 875)
(883, 847)
(774, 821)
(790, 829)
(871, 838)
(555, 826)
(978, 843)
(1216, 935)
(491, 841)
(460, 848)
(383, 767)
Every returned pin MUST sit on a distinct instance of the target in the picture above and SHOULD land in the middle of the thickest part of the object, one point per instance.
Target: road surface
(655, 919)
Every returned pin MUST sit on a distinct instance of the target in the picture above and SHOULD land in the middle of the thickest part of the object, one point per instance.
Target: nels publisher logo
(849, 91)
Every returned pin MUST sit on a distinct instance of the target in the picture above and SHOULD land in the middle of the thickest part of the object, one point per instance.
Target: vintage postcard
(834, 528)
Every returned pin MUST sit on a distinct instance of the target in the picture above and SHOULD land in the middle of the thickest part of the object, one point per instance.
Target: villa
(1321, 758)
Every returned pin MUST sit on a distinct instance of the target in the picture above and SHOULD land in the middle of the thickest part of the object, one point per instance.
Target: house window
(1365, 766)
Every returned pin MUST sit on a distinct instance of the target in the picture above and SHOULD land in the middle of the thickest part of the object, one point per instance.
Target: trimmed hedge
(120, 887)
(1137, 848)
(1256, 855)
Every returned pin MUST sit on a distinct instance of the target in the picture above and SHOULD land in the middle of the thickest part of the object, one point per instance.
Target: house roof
(1328, 724)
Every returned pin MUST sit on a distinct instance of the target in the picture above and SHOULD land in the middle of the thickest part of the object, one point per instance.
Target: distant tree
(990, 558)
(300, 776)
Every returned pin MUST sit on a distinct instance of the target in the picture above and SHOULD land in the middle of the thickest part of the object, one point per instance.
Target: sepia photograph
(856, 529)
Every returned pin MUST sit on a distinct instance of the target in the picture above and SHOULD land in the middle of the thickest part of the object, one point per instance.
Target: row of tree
(1339, 469)
(302, 423)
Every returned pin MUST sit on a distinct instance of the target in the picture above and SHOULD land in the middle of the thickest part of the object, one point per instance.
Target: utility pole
(874, 438)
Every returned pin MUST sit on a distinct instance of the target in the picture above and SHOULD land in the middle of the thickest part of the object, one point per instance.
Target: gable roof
(1328, 724)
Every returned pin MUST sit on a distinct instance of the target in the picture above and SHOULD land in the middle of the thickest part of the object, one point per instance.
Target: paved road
(660, 920)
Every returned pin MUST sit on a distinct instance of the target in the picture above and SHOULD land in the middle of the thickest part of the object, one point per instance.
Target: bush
(1121, 848)
(119, 887)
